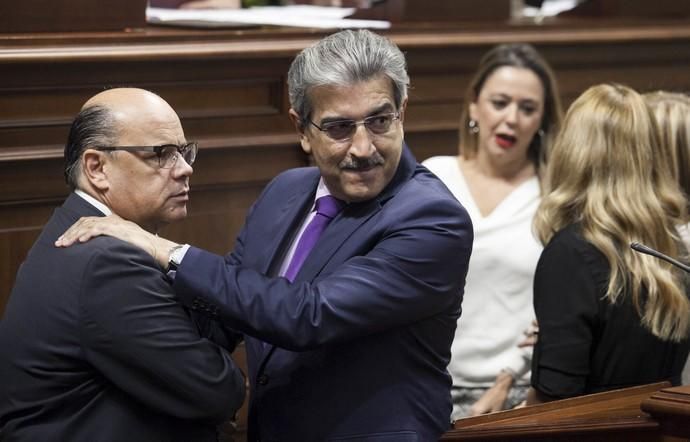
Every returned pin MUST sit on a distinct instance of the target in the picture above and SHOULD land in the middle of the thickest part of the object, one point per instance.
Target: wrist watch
(175, 256)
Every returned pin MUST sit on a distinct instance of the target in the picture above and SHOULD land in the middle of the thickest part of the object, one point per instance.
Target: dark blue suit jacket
(94, 347)
(356, 348)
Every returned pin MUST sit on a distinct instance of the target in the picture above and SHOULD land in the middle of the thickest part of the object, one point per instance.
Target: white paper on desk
(296, 15)
(550, 8)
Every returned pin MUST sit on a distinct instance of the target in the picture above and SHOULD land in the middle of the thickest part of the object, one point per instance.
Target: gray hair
(93, 126)
(342, 59)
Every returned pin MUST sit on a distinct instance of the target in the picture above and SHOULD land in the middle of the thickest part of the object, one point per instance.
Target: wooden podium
(646, 413)
(71, 15)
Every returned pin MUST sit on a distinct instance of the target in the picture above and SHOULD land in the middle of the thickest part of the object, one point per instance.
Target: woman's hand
(531, 335)
(495, 397)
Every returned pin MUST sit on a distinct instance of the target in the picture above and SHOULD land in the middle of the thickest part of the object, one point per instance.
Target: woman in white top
(511, 114)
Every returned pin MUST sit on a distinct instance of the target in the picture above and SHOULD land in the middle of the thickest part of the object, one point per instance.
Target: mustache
(362, 163)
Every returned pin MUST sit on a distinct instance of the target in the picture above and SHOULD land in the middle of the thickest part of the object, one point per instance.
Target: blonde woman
(511, 113)
(672, 111)
(609, 317)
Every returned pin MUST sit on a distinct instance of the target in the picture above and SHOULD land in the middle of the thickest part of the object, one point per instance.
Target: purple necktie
(327, 207)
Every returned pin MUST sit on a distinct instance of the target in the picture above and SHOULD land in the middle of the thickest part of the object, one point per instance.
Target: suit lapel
(286, 220)
(289, 212)
(353, 217)
(337, 232)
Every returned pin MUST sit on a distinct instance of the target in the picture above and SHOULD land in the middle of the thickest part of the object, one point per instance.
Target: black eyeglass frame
(191, 147)
(354, 123)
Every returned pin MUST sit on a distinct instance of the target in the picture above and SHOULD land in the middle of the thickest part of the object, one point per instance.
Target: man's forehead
(368, 96)
(132, 103)
(116, 97)
(132, 107)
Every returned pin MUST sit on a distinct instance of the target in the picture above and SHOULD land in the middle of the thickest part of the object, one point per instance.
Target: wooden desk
(647, 413)
(228, 87)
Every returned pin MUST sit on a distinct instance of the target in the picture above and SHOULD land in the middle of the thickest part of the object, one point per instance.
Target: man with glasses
(93, 344)
(347, 277)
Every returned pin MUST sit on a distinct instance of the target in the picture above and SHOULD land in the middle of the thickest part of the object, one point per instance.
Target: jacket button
(262, 380)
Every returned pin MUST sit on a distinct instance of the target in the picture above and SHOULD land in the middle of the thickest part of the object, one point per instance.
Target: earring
(474, 127)
(540, 132)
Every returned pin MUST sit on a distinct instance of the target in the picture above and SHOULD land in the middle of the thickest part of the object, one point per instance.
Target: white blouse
(497, 306)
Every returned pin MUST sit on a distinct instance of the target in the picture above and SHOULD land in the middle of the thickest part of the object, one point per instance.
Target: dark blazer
(94, 347)
(356, 348)
(587, 344)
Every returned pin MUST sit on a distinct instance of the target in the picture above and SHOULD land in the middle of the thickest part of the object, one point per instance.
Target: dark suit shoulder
(425, 211)
(426, 196)
(113, 251)
(118, 248)
(289, 184)
(122, 265)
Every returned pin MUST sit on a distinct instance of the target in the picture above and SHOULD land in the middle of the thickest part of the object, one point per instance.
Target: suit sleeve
(409, 274)
(144, 342)
(216, 331)
(565, 302)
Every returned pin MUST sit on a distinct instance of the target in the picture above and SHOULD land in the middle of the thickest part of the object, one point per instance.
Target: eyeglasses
(341, 130)
(167, 154)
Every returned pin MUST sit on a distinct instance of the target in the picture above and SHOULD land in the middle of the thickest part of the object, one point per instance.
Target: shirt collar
(94, 202)
(321, 190)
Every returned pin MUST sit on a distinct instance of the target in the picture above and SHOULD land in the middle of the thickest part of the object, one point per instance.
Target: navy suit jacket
(94, 347)
(356, 348)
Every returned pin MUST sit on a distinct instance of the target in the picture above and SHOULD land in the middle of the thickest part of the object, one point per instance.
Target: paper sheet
(296, 15)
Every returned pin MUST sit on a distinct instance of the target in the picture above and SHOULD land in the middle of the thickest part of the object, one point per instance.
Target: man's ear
(296, 121)
(301, 131)
(403, 108)
(93, 169)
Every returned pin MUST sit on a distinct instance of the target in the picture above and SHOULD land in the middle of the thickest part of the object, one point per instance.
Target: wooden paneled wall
(228, 87)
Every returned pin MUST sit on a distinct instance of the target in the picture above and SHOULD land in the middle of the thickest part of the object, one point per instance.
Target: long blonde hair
(608, 171)
(672, 111)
